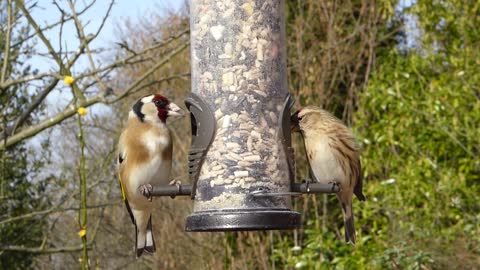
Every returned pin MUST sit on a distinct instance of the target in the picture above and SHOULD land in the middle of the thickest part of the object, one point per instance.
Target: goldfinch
(145, 160)
(333, 157)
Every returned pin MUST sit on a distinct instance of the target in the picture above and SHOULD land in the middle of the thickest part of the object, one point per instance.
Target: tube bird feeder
(240, 117)
(241, 162)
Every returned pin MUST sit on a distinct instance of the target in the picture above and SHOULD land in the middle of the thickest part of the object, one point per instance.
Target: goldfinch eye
(160, 103)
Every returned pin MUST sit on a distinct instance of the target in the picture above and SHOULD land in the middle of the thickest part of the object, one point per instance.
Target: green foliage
(20, 196)
(421, 121)
(330, 49)
(418, 122)
(21, 192)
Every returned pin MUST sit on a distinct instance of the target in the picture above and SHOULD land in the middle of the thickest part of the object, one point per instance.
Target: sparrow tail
(358, 192)
(350, 230)
(349, 222)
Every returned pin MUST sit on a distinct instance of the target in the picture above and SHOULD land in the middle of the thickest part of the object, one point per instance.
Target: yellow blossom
(82, 232)
(68, 80)
(82, 111)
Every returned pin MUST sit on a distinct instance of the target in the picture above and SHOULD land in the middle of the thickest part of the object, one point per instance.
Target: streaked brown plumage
(144, 161)
(333, 156)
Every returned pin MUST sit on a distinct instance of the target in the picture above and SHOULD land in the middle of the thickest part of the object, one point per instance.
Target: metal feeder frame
(203, 132)
(244, 50)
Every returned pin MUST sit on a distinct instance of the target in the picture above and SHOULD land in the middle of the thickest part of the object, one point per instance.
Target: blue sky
(47, 13)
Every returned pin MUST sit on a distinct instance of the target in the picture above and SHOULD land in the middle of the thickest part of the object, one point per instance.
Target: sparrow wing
(357, 190)
(350, 150)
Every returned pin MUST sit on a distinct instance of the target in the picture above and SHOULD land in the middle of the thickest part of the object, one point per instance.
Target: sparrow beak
(174, 110)
(294, 123)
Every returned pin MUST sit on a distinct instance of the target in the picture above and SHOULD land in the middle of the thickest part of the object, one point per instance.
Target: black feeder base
(243, 220)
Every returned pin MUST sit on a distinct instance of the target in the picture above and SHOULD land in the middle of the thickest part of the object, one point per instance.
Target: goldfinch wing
(122, 155)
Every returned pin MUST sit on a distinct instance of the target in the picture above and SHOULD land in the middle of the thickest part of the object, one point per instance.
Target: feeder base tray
(242, 220)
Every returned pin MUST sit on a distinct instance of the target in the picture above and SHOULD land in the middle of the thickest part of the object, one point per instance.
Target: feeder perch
(241, 161)
(307, 187)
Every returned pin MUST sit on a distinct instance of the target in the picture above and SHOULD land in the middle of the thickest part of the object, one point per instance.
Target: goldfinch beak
(174, 110)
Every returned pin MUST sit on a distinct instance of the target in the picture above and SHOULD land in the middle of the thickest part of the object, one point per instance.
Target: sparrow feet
(146, 191)
(335, 186)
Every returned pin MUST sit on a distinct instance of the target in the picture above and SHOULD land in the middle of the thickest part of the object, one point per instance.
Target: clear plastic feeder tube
(239, 69)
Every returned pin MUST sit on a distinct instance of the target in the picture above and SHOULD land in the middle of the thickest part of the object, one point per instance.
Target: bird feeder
(241, 161)
(239, 82)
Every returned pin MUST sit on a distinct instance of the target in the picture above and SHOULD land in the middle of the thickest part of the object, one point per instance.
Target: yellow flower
(82, 111)
(68, 80)
(82, 232)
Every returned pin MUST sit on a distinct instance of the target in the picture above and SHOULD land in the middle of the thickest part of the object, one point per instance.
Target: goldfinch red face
(156, 107)
(144, 161)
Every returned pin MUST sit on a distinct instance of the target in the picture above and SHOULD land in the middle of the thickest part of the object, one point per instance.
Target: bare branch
(7, 42)
(83, 39)
(102, 212)
(57, 119)
(39, 98)
(176, 76)
(99, 98)
(11, 82)
(126, 60)
(132, 87)
(53, 25)
(39, 250)
(64, 70)
(56, 210)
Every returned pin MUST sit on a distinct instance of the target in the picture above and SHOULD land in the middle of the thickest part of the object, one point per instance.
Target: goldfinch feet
(146, 191)
(177, 183)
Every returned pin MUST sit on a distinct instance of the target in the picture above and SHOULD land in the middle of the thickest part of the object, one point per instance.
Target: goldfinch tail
(150, 242)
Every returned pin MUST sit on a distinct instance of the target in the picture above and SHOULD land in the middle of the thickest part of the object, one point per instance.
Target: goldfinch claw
(177, 183)
(146, 191)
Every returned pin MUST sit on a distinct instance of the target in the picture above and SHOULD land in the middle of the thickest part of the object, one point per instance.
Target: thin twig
(8, 36)
(39, 98)
(53, 25)
(56, 210)
(83, 39)
(133, 86)
(63, 69)
(41, 251)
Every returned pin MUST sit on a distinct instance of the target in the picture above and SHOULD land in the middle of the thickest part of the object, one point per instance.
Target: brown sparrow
(333, 157)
